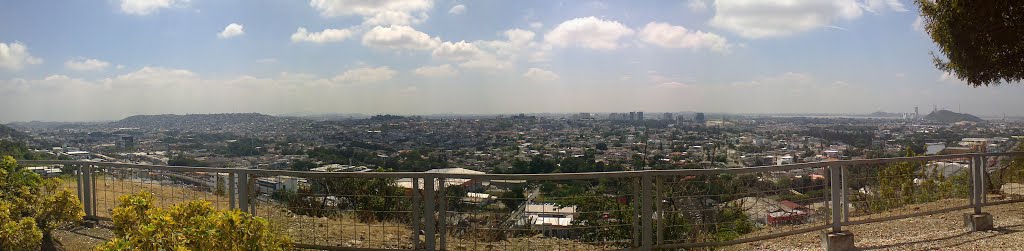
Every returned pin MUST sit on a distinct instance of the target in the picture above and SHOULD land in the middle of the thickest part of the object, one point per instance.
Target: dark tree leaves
(982, 42)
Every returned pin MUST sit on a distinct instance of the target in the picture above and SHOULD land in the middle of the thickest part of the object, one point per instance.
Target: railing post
(975, 178)
(846, 194)
(78, 182)
(837, 239)
(428, 212)
(978, 221)
(636, 211)
(659, 208)
(982, 174)
(978, 183)
(442, 217)
(231, 191)
(647, 212)
(416, 227)
(92, 188)
(243, 191)
(87, 190)
(254, 194)
(837, 193)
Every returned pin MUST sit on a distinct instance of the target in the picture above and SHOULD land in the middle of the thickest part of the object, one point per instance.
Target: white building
(550, 219)
(269, 185)
(469, 184)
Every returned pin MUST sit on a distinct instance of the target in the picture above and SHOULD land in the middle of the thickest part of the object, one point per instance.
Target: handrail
(543, 176)
(644, 182)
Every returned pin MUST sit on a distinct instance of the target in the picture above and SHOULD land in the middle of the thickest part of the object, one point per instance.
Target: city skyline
(89, 61)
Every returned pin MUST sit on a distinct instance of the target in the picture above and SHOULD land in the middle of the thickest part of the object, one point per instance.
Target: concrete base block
(842, 241)
(978, 222)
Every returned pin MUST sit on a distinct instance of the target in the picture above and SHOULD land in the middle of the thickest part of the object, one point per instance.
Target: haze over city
(106, 60)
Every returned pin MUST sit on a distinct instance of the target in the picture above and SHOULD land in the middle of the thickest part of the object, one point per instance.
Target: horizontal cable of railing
(543, 176)
(681, 193)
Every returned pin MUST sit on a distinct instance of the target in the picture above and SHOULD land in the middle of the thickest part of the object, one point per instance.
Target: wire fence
(650, 209)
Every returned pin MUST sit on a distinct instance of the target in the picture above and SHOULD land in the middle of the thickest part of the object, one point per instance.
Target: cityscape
(511, 125)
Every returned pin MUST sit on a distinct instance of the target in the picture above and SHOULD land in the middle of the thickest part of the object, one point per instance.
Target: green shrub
(192, 225)
(31, 207)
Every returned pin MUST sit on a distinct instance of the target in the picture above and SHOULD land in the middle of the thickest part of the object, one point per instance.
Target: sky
(106, 60)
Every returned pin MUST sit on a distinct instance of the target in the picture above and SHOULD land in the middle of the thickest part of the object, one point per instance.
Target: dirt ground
(935, 232)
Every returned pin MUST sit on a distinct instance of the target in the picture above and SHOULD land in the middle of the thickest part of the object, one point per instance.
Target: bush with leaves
(32, 207)
(368, 199)
(193, 225)
(897, 187)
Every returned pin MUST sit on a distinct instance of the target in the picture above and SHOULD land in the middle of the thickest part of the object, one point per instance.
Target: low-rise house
(550, 219)
(46, 171)
(268, 185)
(788, 212)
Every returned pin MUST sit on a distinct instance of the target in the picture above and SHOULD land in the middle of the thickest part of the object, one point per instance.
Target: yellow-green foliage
(896, 186)
(18, 234)
(31, 207)
(192, 225)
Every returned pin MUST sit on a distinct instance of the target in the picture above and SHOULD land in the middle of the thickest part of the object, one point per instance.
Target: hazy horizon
(102, 61)
(654, 115)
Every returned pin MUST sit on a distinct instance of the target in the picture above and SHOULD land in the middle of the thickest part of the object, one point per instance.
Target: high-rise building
(916, 113)
(667, 116)
(699, 118)
(632, 116)
(640, 116)
(126, 141)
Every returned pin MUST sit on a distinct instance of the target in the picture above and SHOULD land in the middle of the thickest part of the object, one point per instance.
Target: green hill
(12, 134)
(12, 143)
(947, 116)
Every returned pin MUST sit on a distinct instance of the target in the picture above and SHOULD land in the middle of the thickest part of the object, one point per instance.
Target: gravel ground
(83, 238)
(935, 232)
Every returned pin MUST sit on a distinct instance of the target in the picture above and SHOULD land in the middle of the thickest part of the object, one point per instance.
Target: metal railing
(651, 209)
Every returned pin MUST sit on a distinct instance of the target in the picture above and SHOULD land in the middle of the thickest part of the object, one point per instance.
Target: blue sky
(100, 60)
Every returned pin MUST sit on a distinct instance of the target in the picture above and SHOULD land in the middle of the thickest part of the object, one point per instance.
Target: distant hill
(203, 121)
(947, 116)
(10, 133)
(33, 125)
(884, 114)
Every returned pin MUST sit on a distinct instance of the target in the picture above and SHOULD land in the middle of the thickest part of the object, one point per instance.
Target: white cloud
(325, 36)
(672, 85)
(918, 24)
(948, 77)
(146, 7)
(83, 64)
(399, 37)
(697, 5)
(458, 51)
(15, 56)
(877, 6)
(519, 37)
(487, 62)
(376, 12)
(503, 54)
(762, 18)
(788, 79)
(440, 71)
(588, 32)
(151, 77)
(365, 75)
(457, 10)
(670, 36)
(536, 25)
(540, 75)
(395, 18)
(231, 30)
